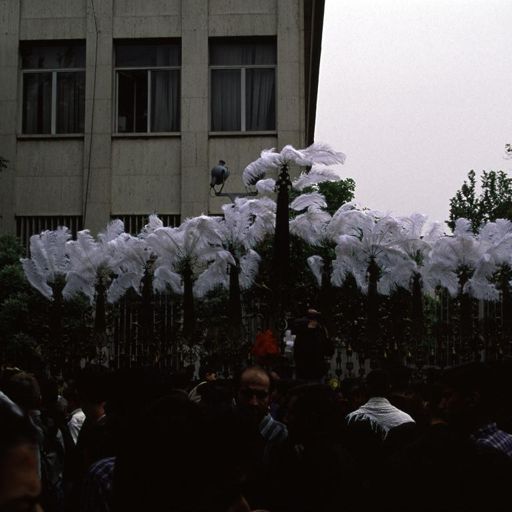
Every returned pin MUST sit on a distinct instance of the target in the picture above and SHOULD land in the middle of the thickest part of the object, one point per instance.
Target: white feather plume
(267, 186)
(313, 200)
(36, 278)
(316, 265)
(48, 259)
(271, 160)
(311, 226)
(154, 222)
(165, 277)
(314, 176)
(249, 264)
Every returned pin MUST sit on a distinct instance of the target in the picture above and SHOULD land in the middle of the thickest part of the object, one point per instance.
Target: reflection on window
(53, 75)
(148, 86)
(242, 84)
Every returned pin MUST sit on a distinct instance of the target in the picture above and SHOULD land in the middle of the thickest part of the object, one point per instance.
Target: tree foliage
(336, 193)
(493, 200)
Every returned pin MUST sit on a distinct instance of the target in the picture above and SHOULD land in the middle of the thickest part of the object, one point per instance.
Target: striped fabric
(490, 436)
(273, 431)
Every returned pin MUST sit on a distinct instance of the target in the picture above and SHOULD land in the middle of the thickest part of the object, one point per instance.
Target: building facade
(119, 108)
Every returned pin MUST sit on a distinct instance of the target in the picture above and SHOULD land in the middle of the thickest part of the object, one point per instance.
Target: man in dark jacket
(312, 347)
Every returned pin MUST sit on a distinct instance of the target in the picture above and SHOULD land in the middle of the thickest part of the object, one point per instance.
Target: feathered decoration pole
(146, 310)
(281, 259)
(188, 302)
(235, 303)
(372, 308)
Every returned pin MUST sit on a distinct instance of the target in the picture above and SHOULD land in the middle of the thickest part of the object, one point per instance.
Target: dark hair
(316, 411)
(23, 389)
(377, 383)
(174, 432)
(255, 369)
(15, 428)
(93, 385)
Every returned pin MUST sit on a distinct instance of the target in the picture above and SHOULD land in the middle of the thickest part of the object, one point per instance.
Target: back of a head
(23, 389)
(477, 382)
(377, 383)
(164, 464)
(314, 411)
(15, 429)
(93, 385)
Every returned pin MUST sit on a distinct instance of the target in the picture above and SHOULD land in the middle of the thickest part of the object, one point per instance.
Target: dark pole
(188, 305)
(372, 311)
(281, 261)
(235, 304)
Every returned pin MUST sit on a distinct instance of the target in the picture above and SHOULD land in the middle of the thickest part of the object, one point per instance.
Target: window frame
(54, 114)
(148, 69)
(243, 98)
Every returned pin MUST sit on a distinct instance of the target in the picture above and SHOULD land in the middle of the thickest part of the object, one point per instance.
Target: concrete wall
(146, 176)
(100, 174)
(49, 177)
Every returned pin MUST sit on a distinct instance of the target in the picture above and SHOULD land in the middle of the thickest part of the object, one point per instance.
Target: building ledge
(49, 136)
(243, 134)
(146, 135)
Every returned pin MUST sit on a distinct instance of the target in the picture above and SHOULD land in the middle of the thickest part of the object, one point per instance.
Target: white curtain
(260, 99)
(225, 100)
(226, 91)
(37, 102)
(70, 102)
(165, 101)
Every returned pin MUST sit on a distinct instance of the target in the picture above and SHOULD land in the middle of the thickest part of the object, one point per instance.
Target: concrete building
(119, 108)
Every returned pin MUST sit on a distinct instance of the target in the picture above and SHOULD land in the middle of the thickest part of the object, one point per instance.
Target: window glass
(52, 56)
(147, 54)
(37, 103)
(148, 94)
(70, 102)
(165, 104)
(260, 99)
(234, 52)
(53, 100)
(132, 101)
(242, 84)
(225, 98)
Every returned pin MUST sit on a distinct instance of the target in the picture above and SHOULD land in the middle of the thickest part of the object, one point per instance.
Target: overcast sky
(416, 93)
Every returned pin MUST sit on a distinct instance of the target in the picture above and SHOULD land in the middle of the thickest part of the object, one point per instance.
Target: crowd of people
(144, 439)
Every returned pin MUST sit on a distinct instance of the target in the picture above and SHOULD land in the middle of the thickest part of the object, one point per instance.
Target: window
(242, 84)
(147, 86)
(28, 225)
(53, 76)
(134, 224)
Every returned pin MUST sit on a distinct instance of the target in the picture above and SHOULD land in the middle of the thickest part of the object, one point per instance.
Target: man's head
(23, 389)
(92, 387)
(377, 383)
(19, 481)
(313, 314)
(254, 392)
(469, 395)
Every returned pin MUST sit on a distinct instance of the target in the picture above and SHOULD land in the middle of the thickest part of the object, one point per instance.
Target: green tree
(25, 316)
(336, 193)
(493, 201)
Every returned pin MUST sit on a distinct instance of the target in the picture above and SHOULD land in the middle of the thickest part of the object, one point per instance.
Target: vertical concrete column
(9, 36)
(97, 175)
(194, 108)
(290, 80)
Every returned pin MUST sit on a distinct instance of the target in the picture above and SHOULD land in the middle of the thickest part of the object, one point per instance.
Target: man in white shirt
(76, 415)
(378, 412)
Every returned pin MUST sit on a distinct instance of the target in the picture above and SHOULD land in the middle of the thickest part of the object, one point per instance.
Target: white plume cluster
(315, 156)
(205, 248)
